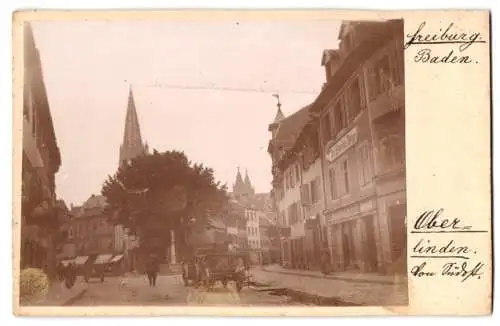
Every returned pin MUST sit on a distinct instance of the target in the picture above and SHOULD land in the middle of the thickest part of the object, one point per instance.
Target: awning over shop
(116, 258)
(103, 259)
(80, 260)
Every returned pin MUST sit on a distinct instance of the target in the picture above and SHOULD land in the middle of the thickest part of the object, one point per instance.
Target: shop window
(365, 165)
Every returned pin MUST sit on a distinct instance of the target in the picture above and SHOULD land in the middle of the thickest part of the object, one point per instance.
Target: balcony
(389, 101)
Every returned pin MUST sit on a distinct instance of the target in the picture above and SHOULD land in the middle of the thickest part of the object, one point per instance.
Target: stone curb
(338, 278)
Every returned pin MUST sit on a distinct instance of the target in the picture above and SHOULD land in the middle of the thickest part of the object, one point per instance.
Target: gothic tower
(242, 188)
(132, 145)
(248, 184)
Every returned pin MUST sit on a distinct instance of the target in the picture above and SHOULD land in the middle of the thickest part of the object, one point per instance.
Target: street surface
(170, 290)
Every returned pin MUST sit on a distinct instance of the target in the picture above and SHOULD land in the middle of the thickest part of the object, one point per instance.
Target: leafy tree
(159, 192)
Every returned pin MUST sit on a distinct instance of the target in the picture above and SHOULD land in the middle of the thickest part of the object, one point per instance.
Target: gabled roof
(328, 55)
(290, 127)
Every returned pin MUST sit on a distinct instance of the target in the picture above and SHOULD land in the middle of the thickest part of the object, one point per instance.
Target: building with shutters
(361, 130)
(338, 164)
(288, 184)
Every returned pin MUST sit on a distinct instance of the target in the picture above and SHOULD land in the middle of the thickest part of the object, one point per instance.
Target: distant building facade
(258, 216)
(89, 229)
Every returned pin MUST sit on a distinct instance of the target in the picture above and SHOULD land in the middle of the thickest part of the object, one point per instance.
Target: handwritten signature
(465, 271)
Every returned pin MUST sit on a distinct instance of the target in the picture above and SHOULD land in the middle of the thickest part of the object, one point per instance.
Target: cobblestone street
(170, 291)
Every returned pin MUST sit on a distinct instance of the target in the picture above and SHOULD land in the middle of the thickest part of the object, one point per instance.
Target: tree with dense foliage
(159, 192)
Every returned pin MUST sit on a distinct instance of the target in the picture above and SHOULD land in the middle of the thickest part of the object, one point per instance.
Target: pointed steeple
(248, 184)
(239, 186)
(279, 116)
(132, 141)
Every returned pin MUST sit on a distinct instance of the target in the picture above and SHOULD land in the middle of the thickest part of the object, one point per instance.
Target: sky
(89, 66)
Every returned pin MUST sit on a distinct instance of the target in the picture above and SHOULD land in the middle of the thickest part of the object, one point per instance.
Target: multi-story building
(256, 213)
(287, 182)
(361, 116)
(90, 232)
(346, 154)
(41, 160)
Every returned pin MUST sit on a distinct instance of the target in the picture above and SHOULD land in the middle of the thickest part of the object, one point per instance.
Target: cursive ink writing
(430, 220)
(447, 36)
(426, 56)
(463, 270)
(419, 271)
(424, 247)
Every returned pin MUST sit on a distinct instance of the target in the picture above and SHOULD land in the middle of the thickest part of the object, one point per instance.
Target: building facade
(287, 185)
(41, 160)
(361, 188)
(89, 230)
(339, 165)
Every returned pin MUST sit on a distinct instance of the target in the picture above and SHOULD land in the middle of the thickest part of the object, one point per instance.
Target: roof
(327, 55)
(264, 222)
(95, 202)
(279, 116)
(291, 126)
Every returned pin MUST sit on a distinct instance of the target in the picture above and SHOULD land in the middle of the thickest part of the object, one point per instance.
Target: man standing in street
(152, 270)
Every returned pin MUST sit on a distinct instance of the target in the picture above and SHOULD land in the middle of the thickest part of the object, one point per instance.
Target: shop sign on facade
(344, 213)
(342, 145)
(366, 206)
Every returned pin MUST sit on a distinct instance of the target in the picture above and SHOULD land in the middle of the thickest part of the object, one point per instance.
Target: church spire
(132, 145)
(248, 184)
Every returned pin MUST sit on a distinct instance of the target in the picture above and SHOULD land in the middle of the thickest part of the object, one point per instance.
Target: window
(344, 171)
(293, 213)
(333, 183)
(297, 172)
(381, 76)
(304, 194)
(339, 115)
(365, 165)
(392, 151)
(326, 128)
(70, 233)
(315, 190)
(355, 99)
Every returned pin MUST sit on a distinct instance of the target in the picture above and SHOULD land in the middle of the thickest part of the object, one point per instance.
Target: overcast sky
(88, 67)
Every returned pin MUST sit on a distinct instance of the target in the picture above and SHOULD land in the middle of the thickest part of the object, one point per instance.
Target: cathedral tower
(132, 145)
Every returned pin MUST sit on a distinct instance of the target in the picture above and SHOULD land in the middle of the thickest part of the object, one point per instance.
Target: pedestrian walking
(152, 270)
(70, 275)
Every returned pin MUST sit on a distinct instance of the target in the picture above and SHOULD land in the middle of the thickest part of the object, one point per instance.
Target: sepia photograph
(213, 162)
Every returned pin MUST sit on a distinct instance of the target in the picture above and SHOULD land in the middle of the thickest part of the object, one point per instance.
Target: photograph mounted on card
(180, 163)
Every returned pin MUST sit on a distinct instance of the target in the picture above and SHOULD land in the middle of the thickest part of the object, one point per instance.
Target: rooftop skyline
(203, 87)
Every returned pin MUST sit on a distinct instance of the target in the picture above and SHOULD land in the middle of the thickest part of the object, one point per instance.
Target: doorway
(371, 244)
(397, 224)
